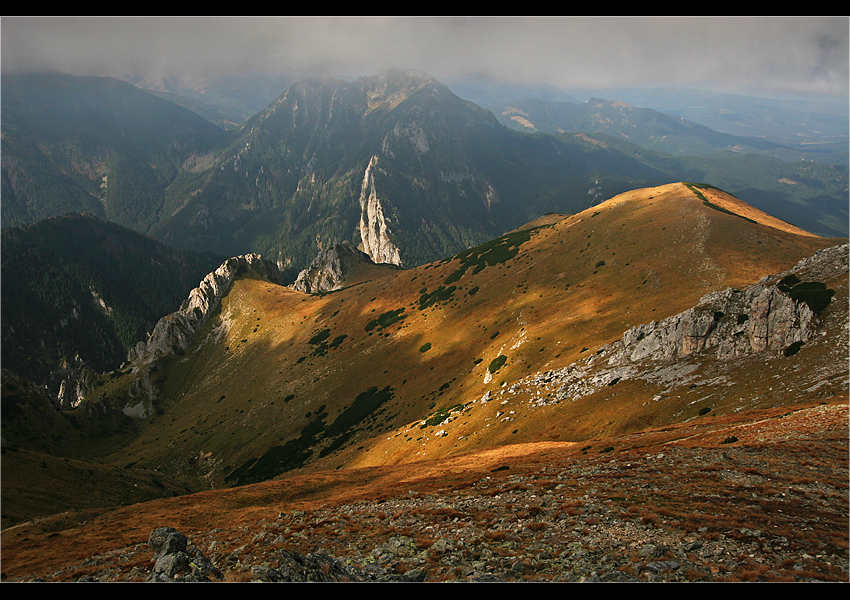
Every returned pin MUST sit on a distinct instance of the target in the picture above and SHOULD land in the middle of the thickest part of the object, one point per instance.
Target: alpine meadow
(389, 328)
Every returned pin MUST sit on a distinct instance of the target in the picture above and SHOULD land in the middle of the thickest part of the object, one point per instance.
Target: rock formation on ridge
(174, 332)
(775, 316)
(328, 270)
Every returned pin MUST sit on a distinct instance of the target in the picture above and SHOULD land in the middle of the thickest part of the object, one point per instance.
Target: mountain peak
(711, 197)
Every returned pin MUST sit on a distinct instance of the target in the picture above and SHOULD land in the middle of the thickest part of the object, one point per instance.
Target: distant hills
(792, 121)
(641, 126)
(395, 162)
(817, 127)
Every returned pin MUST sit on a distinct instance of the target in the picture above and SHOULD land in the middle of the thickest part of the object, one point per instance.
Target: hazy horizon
(768, 56)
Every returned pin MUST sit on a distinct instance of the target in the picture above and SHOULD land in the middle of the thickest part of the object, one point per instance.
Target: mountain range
(375, 273)
(394, 163)
(79, 292)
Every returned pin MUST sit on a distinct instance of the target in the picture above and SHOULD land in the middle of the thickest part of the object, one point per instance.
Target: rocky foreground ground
(729, 499)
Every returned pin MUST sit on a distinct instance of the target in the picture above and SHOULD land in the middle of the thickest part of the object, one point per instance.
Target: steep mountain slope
(95, 145)
(394, 163)
(421, 363)
(79, 292)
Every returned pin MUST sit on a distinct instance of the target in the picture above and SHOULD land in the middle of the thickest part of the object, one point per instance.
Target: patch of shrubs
(441, 294)
(441, 415)
(489, 254)
(814, 293)
(497, 363)
(387, 319)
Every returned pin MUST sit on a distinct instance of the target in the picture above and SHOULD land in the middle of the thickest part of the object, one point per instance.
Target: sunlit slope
(281, 381)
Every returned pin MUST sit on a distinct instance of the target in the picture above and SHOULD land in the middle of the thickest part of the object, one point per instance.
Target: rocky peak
(329, 269)
(175, 332)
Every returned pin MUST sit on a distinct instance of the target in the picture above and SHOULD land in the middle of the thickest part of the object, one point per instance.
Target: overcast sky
(766, 55)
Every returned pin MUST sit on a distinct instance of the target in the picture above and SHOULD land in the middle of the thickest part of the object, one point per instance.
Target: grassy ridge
(344, 379)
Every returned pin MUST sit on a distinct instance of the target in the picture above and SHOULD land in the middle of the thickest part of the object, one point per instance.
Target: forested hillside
(80, 289)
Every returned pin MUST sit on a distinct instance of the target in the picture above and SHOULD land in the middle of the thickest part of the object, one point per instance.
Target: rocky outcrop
(737, 322)
(174, 332)
(774, 316)
(329, 269)
(176, 560)
(767, 316)
(76, 386)
(374, 228)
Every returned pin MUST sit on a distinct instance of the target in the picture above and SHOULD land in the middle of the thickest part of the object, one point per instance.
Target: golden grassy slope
(276, 362)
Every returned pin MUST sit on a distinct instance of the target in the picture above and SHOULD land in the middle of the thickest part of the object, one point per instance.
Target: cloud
(771, 54)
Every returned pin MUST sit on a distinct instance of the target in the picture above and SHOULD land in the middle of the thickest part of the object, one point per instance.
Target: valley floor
(751, 497)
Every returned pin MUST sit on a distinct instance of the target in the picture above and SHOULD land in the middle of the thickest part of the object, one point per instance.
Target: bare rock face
(75, 387)
(374, 225)
(329, 269)
(175, 332)
(736, 321)
(175, 559)
(772, 317)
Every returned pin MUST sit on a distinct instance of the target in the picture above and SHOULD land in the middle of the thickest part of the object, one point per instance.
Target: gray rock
(175, 559)
(76, 386)
(758, 318)
(161, 536)
(662, 566)
(329, 269)
(175, 332)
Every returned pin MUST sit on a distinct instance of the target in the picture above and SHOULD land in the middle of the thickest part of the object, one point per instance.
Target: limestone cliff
(374, 228)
